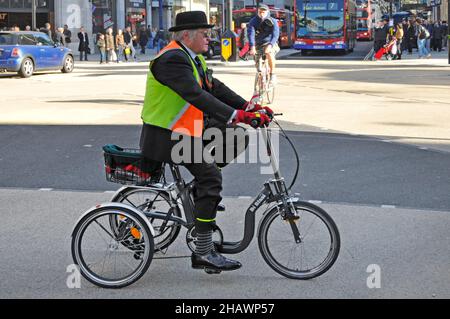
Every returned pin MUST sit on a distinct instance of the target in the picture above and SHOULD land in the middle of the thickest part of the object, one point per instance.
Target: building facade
(439, 10)
(98, 15)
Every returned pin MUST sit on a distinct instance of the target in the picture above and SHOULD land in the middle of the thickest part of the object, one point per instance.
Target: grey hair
(178, 35)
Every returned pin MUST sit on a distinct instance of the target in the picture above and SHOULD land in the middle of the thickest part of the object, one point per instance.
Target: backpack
(424, 34)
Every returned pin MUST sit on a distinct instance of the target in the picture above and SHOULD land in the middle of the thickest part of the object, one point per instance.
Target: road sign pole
(33, 15)
(228, 39)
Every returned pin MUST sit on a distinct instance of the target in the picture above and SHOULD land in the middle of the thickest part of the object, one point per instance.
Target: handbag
(127, 51)
(88, 50)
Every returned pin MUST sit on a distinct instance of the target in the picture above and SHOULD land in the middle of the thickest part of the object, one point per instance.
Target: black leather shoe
(221, 207)
(214, 261)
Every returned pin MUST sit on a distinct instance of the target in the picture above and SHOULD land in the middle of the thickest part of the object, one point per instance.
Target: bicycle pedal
(210, 271)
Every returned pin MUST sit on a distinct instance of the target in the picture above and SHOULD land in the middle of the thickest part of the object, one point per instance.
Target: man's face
(200, 42)
(82, 30)
(262, 13)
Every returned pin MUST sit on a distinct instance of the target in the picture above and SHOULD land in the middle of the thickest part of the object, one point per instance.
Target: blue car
(26, 52)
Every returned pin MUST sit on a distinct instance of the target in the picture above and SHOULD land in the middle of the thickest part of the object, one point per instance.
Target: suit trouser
(409, 44)
(208, 176)
(85, 55)
(377, 45)
(437, 44)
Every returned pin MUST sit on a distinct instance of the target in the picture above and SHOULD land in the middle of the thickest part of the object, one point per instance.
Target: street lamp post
(33, 14)
(160, 14)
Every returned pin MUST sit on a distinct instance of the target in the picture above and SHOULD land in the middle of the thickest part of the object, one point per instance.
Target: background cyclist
(263, 32)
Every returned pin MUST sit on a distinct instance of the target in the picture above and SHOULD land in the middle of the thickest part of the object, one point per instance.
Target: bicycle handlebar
(256, 122)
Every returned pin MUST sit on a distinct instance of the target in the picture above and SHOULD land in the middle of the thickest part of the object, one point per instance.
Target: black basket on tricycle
(128, 166)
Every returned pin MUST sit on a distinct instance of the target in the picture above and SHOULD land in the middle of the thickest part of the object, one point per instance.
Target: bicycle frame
(274, 190)
(262, 68)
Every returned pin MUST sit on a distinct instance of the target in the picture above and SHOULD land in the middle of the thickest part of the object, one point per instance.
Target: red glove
(266, 109)
(255, 119)
(253, 106)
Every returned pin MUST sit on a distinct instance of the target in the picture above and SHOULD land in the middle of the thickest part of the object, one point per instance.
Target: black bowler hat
(191, 20)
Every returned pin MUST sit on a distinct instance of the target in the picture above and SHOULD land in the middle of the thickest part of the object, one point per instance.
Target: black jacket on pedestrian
(381, 34)
(84, 44)
(143, 38)
(437, 33)
(47, 32)
(68, 36)
(60, 38)
(174, 69)
(410, 32)
(127, 36)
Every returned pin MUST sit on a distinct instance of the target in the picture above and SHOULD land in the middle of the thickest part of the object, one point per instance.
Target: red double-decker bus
(364, 16)
(325, 25)
(285, 22)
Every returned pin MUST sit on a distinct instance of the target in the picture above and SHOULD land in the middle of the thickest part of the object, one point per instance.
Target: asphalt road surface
(334, 167)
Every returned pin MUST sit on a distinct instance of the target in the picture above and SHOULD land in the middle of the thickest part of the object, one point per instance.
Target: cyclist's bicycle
(114, 243)
(263, 86)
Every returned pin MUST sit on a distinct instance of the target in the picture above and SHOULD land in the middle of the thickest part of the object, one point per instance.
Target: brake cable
(295, 152)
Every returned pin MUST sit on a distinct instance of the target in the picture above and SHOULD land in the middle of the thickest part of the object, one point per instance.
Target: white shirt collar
(191, 53)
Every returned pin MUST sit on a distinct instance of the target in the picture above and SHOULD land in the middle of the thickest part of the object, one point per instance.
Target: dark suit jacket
(174, 70)
(83, 44)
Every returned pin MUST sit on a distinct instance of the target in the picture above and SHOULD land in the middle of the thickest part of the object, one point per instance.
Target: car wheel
(68, 64)
(27, 68)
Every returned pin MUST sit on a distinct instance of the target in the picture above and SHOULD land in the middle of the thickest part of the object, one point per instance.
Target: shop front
(135, 14)
(216, 17)
(18, 13)
(103, 15)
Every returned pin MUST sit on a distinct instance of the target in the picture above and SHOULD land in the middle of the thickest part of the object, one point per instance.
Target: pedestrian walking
(437, 37)
(429, 27)
(381, 33)
(128, 38)
(47, 29)
(422, 35)
(101, 45)
(410, 36)
(83, 47)
(59, 37)
(160, 40)
(120, 45)
(67, 35)
(399, 37)
(244, 46)
(143, 39)
(110, 47)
